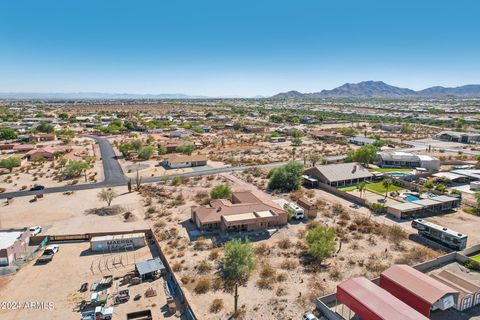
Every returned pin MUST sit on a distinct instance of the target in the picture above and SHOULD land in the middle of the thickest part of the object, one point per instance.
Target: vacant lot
(58, 283)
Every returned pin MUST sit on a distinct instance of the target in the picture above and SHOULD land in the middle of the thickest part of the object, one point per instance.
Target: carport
(368, 301)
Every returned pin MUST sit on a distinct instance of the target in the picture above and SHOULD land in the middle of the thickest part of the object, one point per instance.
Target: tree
(107, 195)
(321, 242)
(145, 153)
(296, 141)
(221, 191)
(45, 128)
(237, 264)
(75, 168)
(136, 145)
(185, 149)
(386, 183)
(286, 178)
(10, 163)
(125, 148)
(7, 134)
(62, 162)
(162, 149)
(361, 187)
(276, 118)
(365, 155)
(315, 158)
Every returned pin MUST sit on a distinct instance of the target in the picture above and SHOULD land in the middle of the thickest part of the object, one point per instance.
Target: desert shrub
(203, 285)
(221, 191)
(472, 264)
(288, 264)
(282, 276)
(214, 254)
(267, 271)
(416, 255)
(261, 249)
(335, 273)
(200, 244)
(176, 267)
(284, 243)
(203, 267)
(216, 305)
(186, 279)
(396, 234)
(264, 284)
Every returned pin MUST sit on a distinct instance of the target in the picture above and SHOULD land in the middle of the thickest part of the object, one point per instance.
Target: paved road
(111, 168)
(114, 176)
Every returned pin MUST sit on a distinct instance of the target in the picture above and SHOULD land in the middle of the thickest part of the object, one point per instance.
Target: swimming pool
(411, 197)
(397, 174)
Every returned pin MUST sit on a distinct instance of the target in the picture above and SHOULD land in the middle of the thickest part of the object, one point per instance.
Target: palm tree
(386, 183)
(294, 152)
(238, 263)
(361, 187)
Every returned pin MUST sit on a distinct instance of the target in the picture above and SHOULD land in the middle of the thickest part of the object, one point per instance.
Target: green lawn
(391, 170)
(476, 258)
(346, 189)
(376, 187)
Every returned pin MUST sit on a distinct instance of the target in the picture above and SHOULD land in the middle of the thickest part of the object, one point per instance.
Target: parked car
(37, 188)
(52, 248)
(35, 230)
(309, 316)
(48, 254)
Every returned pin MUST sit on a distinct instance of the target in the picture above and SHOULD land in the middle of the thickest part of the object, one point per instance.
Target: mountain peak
(371, 89)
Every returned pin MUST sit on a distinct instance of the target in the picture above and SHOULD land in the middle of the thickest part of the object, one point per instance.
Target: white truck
(296, 212)
(99, 313)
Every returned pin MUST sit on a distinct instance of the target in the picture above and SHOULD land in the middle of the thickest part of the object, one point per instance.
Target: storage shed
(465, 297)
(418, 290)
(369, 301)
(470, 286)
(117, 242)
(149, 269)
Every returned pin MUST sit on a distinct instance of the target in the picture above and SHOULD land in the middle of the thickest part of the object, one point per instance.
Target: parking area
(52, 290)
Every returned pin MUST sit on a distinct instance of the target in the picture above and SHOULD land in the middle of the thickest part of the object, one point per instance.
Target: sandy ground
(44, 174)
(66, 214)
(56, 285)
(360, 254)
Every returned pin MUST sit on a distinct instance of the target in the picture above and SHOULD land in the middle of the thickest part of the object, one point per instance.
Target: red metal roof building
(370, 302)
(418, 290)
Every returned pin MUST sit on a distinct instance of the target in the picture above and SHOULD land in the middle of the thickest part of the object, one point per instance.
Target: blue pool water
(411, 198)
(398, 174)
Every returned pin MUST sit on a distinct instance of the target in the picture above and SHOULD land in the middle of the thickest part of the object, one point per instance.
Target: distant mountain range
(371, 89)
(94, 96)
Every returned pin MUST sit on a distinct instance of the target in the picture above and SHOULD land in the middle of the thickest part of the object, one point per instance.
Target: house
(418, 290)
(43, 137)
(340, 174)
(390, 127)
(40, 153)
(13, 244)
(22, 148)
(461, 137)
(360, 141)
(170, 146)
(368, 301)
(176, 161)
(399, 159)
(325, 135)
(277, 139)
(245, 211)
(437, 204)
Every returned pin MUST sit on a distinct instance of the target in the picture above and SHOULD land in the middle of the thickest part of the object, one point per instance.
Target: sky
(233, 47)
